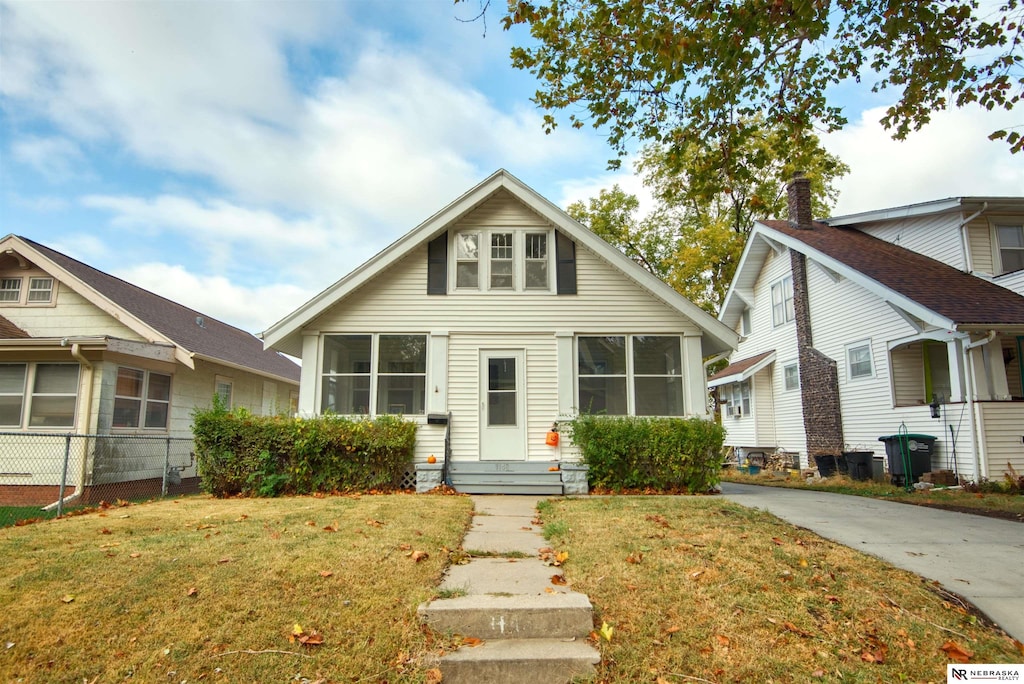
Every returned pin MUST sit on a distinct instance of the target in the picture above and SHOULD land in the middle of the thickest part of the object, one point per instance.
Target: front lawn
(201, 589)
(698, 589)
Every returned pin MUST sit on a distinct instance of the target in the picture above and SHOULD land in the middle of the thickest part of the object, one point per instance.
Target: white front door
(503, 405)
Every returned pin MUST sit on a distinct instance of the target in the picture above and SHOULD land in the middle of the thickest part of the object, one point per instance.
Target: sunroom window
(630, 375)
(53, 398)
(386, 372)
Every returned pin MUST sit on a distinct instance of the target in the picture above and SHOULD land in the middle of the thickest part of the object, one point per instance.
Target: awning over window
(742, 370)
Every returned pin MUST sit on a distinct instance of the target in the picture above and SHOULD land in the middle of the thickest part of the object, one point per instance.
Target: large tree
(704, 209)
(680, 71)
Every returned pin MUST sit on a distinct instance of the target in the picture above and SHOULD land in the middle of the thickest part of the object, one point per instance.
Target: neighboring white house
(507, 314)
(84, 352)
(912, 311)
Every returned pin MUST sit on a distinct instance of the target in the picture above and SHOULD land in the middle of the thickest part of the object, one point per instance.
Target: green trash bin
(919, 450)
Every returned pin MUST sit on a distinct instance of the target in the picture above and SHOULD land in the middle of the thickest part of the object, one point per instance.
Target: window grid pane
(860, 361)
(12, 393)
(10, 290)
(536, 261)
(467, 260)
(501, 262)
(40, 289)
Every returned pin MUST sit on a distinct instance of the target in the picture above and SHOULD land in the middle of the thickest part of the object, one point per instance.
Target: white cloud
(250, 308)
(950, 157)
(582, 189)
(56, 158)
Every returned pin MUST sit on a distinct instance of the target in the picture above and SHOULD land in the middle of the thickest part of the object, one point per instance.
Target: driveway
(979, 558)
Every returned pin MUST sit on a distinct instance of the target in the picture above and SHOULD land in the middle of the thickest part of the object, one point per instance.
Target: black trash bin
(919, 449)
(859, 464)
(829, 464)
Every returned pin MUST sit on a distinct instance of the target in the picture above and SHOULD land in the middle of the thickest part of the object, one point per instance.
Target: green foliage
(239, 453)
(648, 68)
(694, 236)
(649, 453)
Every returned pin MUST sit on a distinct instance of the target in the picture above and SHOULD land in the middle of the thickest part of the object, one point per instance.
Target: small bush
(649, 453)
(239, 453)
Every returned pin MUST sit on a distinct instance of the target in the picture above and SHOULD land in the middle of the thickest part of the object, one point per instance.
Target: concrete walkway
(533, 628)
(979, 558)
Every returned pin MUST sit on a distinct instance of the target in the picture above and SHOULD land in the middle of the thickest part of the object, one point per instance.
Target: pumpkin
(431, 459)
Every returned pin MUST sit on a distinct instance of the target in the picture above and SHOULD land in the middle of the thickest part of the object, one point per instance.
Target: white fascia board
(743, 375)
(740, 296)
(884, 293)
(96, 298)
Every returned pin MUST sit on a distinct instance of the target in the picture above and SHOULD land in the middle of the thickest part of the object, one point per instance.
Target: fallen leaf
(696, 574)
(472, 642)
(326, 573)
(803, 562)
(105, 531)
(562, 556)
(722, 640)
(549, 590)
(67, 598)
(311, 523)
(790, 627)
(331, 528)
(956, 652)
(313, 639)
(205, 527)
(134, 555)
(417, 556)
(372, 523)
(607, 631)
(776, 541)
(634, 559)
(673, 629)
(224, 560)
(192, 591)
(819, 674)
(241, 518)
(434, 676)
(558, 580)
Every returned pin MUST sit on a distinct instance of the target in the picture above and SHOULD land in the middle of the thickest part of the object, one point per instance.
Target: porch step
(508, 661)
(519, 616)
(505, 477)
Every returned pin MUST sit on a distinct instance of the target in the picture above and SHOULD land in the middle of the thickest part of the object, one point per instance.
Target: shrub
(239, 453)
(649, 453)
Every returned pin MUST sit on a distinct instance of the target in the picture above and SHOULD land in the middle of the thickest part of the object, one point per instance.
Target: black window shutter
(437, 265)
(565, 264)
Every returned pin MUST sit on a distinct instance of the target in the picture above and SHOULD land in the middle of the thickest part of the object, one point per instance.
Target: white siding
(1004, 437)
(500, 209)
(764, 405)
(936, 236)
(786, 408)
(73, 315)
(908, 375)
(1012, 281)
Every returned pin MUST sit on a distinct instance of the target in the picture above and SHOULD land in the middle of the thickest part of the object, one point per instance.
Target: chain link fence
(46, 474)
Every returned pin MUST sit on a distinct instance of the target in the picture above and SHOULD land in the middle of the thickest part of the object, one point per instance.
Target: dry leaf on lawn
(956, 652)
(557, 579)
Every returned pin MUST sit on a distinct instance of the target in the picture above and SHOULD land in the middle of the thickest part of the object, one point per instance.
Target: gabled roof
(156, 318)
(741, 370)
(286, 333)
(927, 289)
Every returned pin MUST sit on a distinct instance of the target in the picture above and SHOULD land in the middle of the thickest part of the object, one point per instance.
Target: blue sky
(239, 157)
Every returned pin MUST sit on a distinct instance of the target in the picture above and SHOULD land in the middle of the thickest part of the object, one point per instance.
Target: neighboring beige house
(84, 352)
(855, 326)
(503, 312)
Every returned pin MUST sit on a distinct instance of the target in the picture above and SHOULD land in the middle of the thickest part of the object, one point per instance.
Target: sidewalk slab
(504, 576)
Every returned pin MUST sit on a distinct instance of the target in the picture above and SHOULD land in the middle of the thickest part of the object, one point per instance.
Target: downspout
(977, 438)
(76, 352)
(965, 239)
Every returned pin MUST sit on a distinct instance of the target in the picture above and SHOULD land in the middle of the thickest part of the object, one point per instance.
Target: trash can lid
(912, 435)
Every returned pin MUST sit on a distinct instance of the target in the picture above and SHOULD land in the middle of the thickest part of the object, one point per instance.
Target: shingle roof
(9, 331)
(186, 327)
(962, 298)
(740, 366)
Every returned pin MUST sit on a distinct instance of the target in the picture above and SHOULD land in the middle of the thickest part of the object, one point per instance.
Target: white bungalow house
(85, 353)
(488, 323)
(855, 327)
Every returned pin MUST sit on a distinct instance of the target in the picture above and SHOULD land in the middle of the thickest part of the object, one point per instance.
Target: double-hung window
(10, 290)
(782, 302)
(385, 373)
(858, 360)
(51, 401)
(630, 375)
(791, 376)
(142, 399)
(40, 290)
(502, 260)
(1010, 238)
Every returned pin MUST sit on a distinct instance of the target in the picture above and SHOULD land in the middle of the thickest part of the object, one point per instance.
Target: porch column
(695, 380)
(957, 383)
(310, 370)
(437, 392)
(566, 376)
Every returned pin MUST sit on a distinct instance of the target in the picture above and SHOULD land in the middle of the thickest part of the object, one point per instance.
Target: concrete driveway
(979, 558)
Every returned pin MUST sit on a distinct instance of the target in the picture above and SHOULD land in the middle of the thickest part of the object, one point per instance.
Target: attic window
(502, 260)
(10, 290)
(1011, 246)
(40, 290)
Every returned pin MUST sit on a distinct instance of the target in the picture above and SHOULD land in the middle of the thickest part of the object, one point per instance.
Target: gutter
(965, 240)
(76, 352)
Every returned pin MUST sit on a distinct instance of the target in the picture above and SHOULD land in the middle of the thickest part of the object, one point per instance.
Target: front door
(502, 405)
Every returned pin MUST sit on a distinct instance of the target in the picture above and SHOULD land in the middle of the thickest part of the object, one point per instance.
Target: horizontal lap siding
(1004, 437)
(73, 315)
(936, 236)
(979, 235)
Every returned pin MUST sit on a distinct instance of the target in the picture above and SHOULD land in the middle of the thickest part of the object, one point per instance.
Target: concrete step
(507, 478)
(506, 488)
(523, 616)
(508, 661)
(502, 466)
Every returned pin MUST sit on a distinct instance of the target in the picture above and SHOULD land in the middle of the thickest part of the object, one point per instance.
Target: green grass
(201, 589)
(12, 515)
(701, 589)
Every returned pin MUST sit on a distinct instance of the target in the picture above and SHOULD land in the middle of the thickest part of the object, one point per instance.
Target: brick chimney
(799, 197)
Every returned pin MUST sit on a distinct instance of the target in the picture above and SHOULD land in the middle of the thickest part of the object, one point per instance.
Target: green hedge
(239, 453)
(649, 453)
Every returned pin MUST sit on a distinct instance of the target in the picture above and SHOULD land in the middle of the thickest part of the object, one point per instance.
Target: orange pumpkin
(431, 459)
